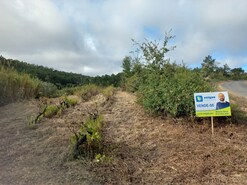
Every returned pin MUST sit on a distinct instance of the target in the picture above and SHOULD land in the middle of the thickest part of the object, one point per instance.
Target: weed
(72, 101)
(15, 86)
(51, 110)
(30, 121)
(87, 136)
(100, 158)
(87, 91)
(238, 115)
(108, 92)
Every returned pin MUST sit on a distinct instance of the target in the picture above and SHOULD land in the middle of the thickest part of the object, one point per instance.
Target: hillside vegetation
(15, 86)
(59, 78)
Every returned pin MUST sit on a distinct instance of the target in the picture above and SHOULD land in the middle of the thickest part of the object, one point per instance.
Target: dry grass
(150, 150)
(142, 149)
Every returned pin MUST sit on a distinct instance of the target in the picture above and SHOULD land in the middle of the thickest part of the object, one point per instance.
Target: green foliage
(72, 101)
(132, 83)
(100, 158)
(214, 73)
(126, 65)
(163, 87)
(93, 127)
(107, 80)
(108, 92)
(171, 91)
(30, 121)
(208, 66)
(87, 136)
(48, 110)
(51, 110)
(46, 89)
(59, 78)
(68, 101)
(236, 73)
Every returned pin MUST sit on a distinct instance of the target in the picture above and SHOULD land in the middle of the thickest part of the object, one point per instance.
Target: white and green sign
(209, 104)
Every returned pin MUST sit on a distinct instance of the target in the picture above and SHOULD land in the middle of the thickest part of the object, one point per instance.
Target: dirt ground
(142, 149)
(165, 151)
(39, 155)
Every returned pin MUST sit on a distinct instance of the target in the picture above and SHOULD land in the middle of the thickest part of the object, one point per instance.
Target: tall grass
(87, 91)
(15, 86)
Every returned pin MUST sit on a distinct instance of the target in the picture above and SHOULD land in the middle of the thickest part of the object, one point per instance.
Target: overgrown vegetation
(108, 92)
(87, 91)
(15, 86)
(48, 109)
(87, 137)
(87, 132)
(59, 78)
(162, 87)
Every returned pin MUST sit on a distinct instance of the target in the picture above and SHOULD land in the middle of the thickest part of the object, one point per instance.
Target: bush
(108, 92)
(72, 101)
(51, 110)
(163, 87)
(87, 91)
(132, 83)
(47, 89)
(87, 138)
(171, 91)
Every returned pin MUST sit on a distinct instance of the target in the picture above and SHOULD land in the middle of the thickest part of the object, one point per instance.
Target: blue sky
(92, 37)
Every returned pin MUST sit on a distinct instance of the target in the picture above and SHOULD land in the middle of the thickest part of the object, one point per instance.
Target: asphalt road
(238, 88)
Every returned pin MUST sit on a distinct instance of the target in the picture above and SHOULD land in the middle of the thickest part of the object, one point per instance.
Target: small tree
(208, 66)
(164, 87)
(126, 65)
(237, 73)
(226, 70)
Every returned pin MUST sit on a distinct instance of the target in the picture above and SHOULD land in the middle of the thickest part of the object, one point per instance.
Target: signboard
(210, 104)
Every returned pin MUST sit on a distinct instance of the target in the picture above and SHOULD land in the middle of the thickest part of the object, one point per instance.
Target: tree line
(59, 78)
(210, 69)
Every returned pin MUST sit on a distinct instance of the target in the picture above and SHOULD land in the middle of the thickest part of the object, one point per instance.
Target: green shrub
(51, 110)
(163, 87)
(87, 140)
(171, 90)
(72, 101)
(108, 92)
(132, 83)
(30, 121)
(68, 91)
(68, 101)
(47, 89)
(88, 91)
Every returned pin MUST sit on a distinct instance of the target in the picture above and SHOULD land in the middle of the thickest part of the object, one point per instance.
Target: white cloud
(234, 62)
(92, 36)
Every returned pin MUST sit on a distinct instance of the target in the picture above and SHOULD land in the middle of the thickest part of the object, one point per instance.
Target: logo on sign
(199, 99)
